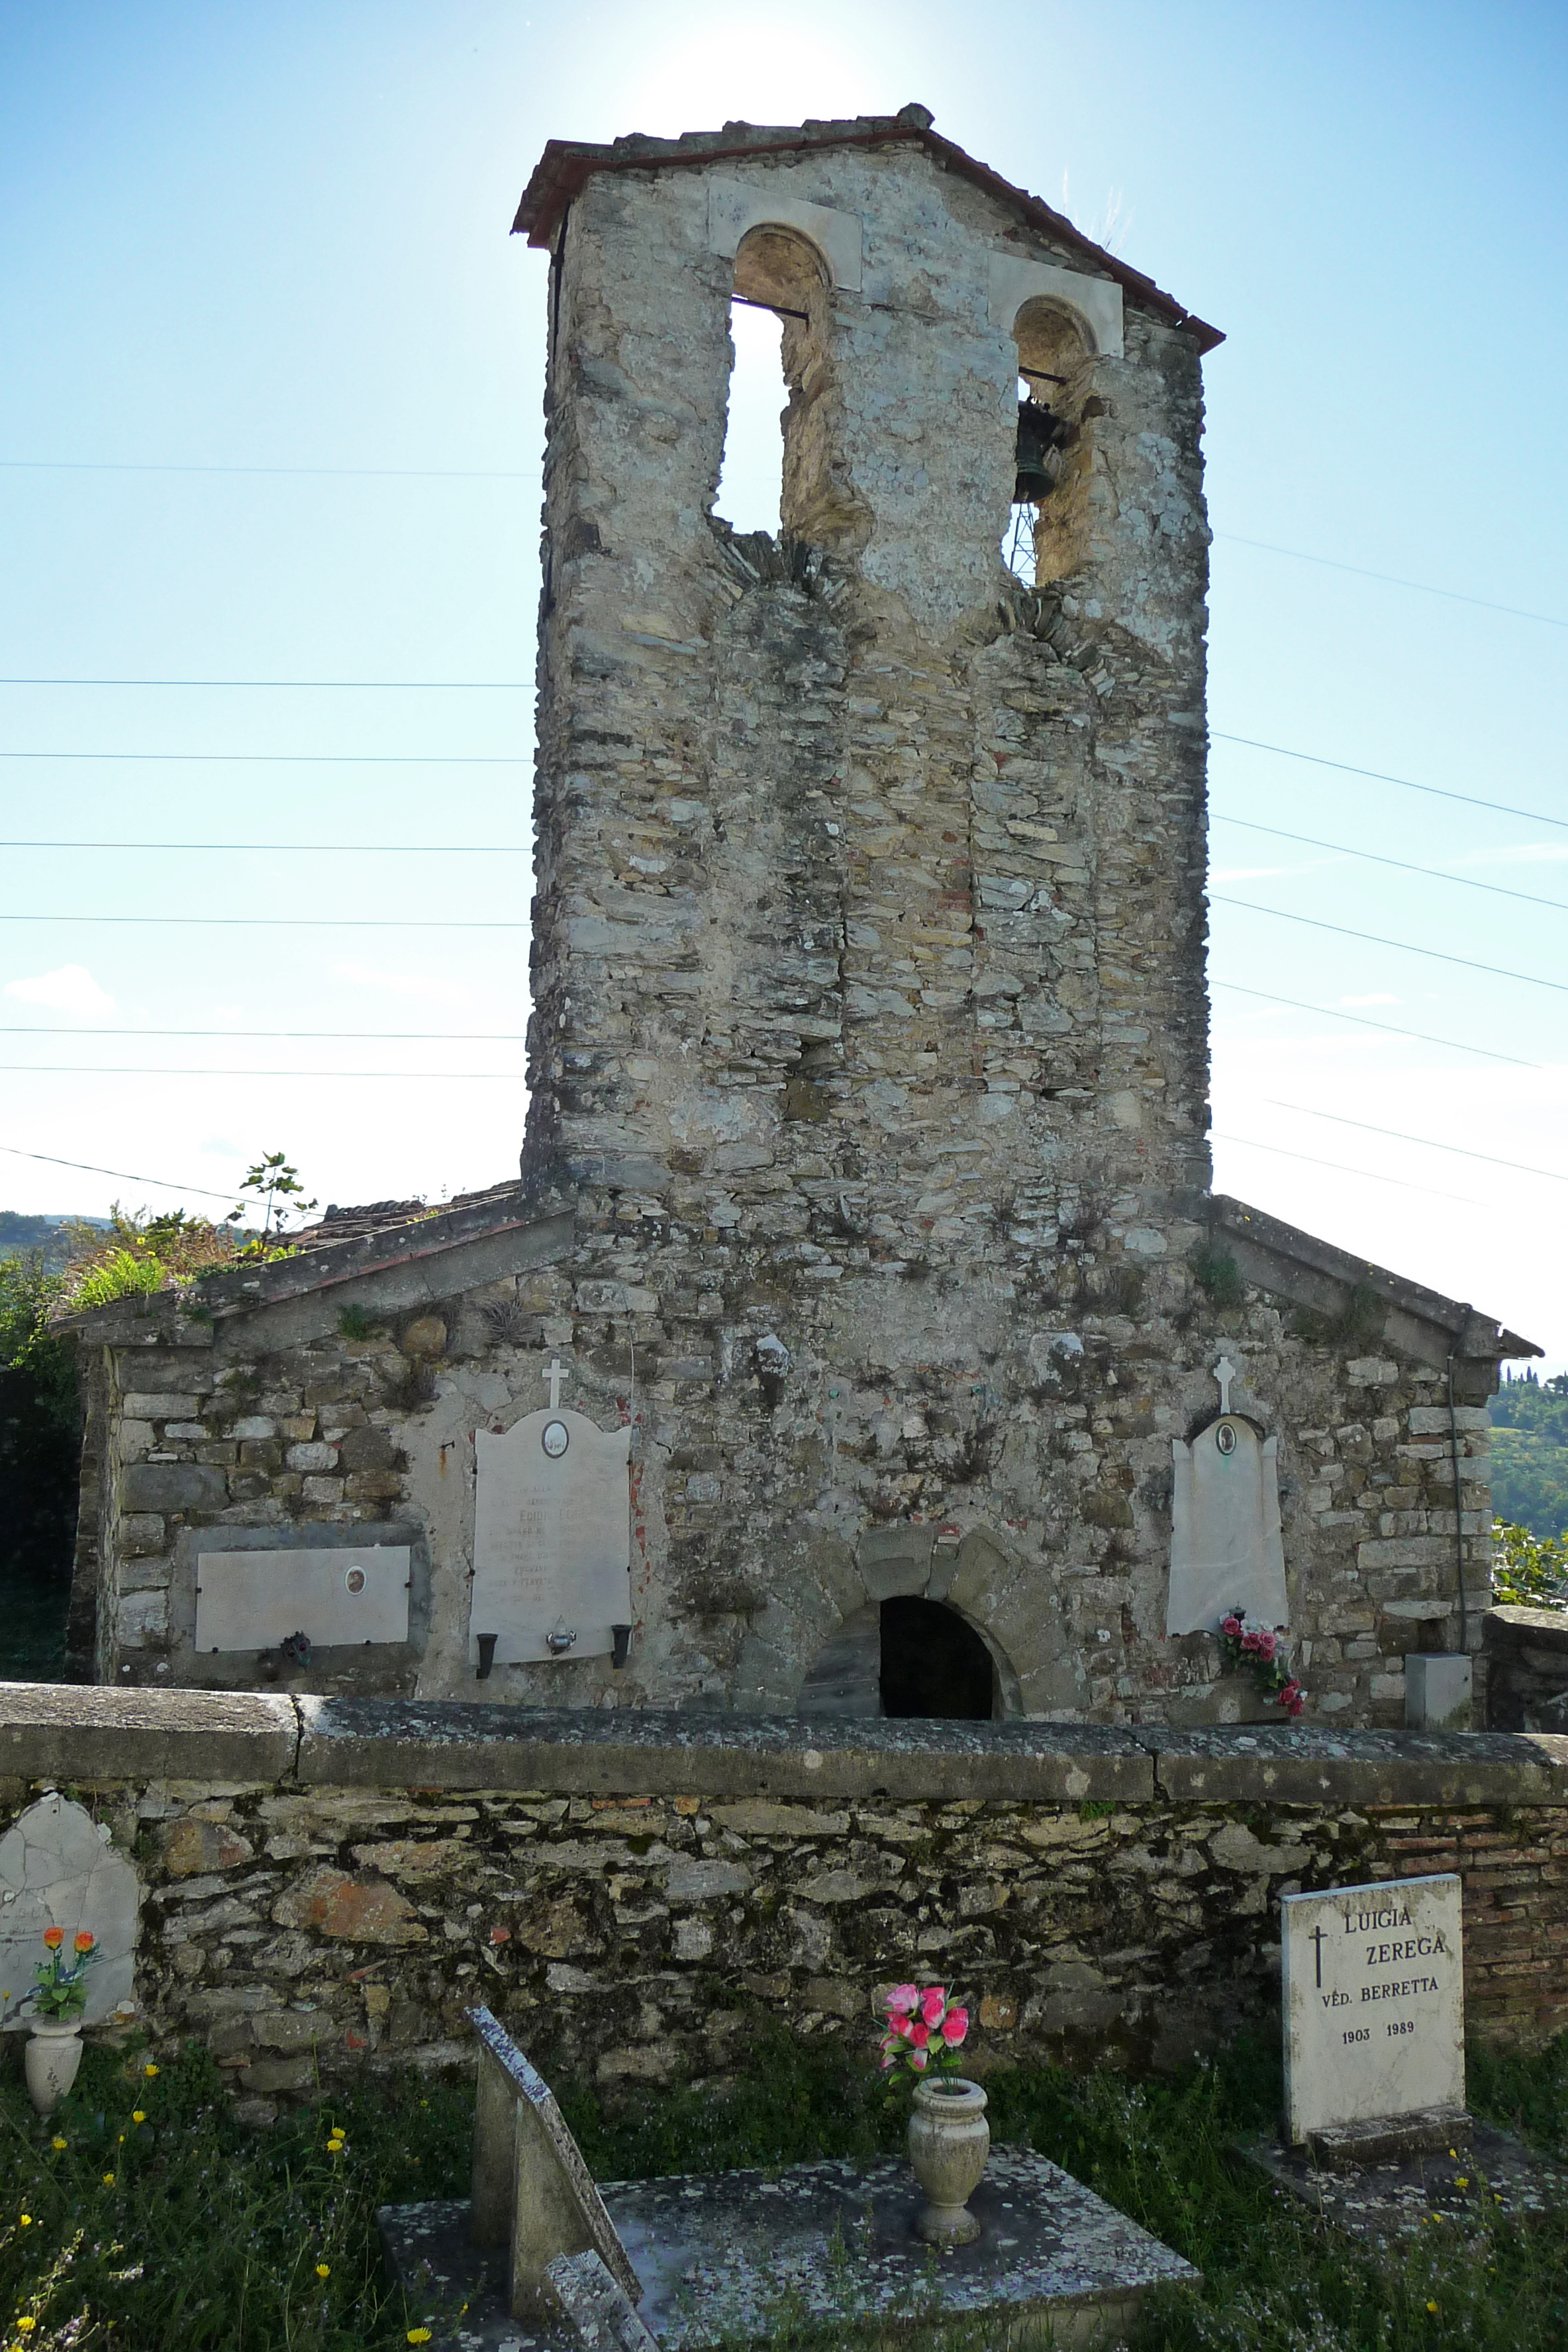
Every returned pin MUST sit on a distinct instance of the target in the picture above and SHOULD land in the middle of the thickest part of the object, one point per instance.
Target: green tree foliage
(1528, 1571)
(1529, 1454)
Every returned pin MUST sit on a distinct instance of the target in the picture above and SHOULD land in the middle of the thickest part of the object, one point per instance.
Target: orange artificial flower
(54, 1937)
(85, 1939)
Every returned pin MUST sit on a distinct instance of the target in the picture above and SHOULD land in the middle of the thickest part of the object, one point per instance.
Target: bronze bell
(1040, 433)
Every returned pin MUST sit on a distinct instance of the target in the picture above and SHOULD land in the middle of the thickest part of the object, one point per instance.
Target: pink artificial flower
(933, 2000)
(903, 2029)
(1297, 1705)
(918, 2060)
(954, 2026)
(1267, 1645)
(1291, 1690)
(919, 2036)
(1252, 1643)
(1231, 1625)
(899, 1999)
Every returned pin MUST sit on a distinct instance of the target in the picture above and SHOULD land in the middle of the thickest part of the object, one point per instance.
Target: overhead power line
(1393, 580)
(165, 1183)
(312, 473)
(354, 684)
(326, 848)
(302, 759)
(1332, 1012)
(280, 922)
(1377, 775)
(177, 1070)
(1399, 1183)
(1405, 947)
(1400, 865)
(1428, 1142)
(399, 1036)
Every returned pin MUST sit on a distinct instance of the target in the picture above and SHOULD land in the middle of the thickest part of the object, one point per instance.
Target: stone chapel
(862, 1333)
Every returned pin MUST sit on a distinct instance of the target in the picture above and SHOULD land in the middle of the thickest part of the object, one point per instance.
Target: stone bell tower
(868, 966)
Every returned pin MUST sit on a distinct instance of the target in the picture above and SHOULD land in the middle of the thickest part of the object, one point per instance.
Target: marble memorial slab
(1227, 1548)
(253, 1599)
(58, 1869)
(1374, 2004)
(552, 1543)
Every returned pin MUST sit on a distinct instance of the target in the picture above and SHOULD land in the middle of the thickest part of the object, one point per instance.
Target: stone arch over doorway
(871, 1664)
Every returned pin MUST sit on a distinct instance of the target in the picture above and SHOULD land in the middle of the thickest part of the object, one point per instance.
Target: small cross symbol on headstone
(556, 1373)
(1224, 1371)
(1317, 1937)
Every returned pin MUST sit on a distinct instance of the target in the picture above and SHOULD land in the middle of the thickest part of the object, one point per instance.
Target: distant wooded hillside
(20, 1233)
(1529, 1454)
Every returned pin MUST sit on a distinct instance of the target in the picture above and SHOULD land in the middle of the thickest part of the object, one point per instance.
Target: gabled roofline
(1318, 1273)
(193, 1309)
(567, 164)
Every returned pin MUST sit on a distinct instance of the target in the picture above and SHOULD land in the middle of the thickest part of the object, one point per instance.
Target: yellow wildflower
(149, 2071)
(109, 2179)
(25, 2327)
(57, 2144)
(1461, 2181)
(323, 2270)
(419, 2336)
(138, 2114)
(1432, 2306)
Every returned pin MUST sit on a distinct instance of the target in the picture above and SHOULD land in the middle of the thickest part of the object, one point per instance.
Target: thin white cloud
(1348, 1003)
(1529, 852)
(71, 988)
(420, 987)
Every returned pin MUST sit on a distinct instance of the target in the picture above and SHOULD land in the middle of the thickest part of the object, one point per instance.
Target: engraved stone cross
(1224, 1371)
(556, 1373)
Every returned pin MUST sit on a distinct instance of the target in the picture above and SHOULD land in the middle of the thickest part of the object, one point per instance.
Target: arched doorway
(933, 1664)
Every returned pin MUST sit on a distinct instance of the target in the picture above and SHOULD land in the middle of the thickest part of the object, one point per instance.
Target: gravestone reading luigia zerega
(1375, 2015)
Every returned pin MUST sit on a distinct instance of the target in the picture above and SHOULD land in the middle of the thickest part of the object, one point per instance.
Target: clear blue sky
(276, 237)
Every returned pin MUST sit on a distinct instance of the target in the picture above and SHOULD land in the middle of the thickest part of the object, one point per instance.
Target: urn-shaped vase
(53, 2055)
(949, 2140)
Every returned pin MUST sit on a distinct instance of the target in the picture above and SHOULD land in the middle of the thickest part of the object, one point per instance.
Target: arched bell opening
(935, 1664)
(1047, 535)
(776, 470)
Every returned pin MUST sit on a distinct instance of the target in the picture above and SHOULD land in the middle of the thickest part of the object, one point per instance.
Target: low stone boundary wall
(1526, 1667)
(329, 1883)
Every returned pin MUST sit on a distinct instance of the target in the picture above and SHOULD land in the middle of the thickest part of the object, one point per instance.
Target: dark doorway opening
(933, 1664)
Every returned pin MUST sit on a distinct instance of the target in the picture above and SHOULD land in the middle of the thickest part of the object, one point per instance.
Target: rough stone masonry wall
(1040, 1496)
(320, 1911)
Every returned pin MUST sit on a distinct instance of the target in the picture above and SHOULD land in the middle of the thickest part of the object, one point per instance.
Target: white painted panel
(734, 206)
(1095, 301)
(553, 1542)
(254, 1600)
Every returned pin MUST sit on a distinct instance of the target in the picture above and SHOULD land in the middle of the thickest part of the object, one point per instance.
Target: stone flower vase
(53, 2055)
(949, 2140)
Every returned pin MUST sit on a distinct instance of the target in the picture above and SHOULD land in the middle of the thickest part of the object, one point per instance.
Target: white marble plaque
(1374, 2002)
(337, 1599)
(553, 1544)
(1226, 1551)
(58, 1869)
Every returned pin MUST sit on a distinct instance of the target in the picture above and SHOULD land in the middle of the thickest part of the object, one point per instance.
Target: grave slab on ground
(727, 2256)
(1477, 2179)
(540, 2259)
